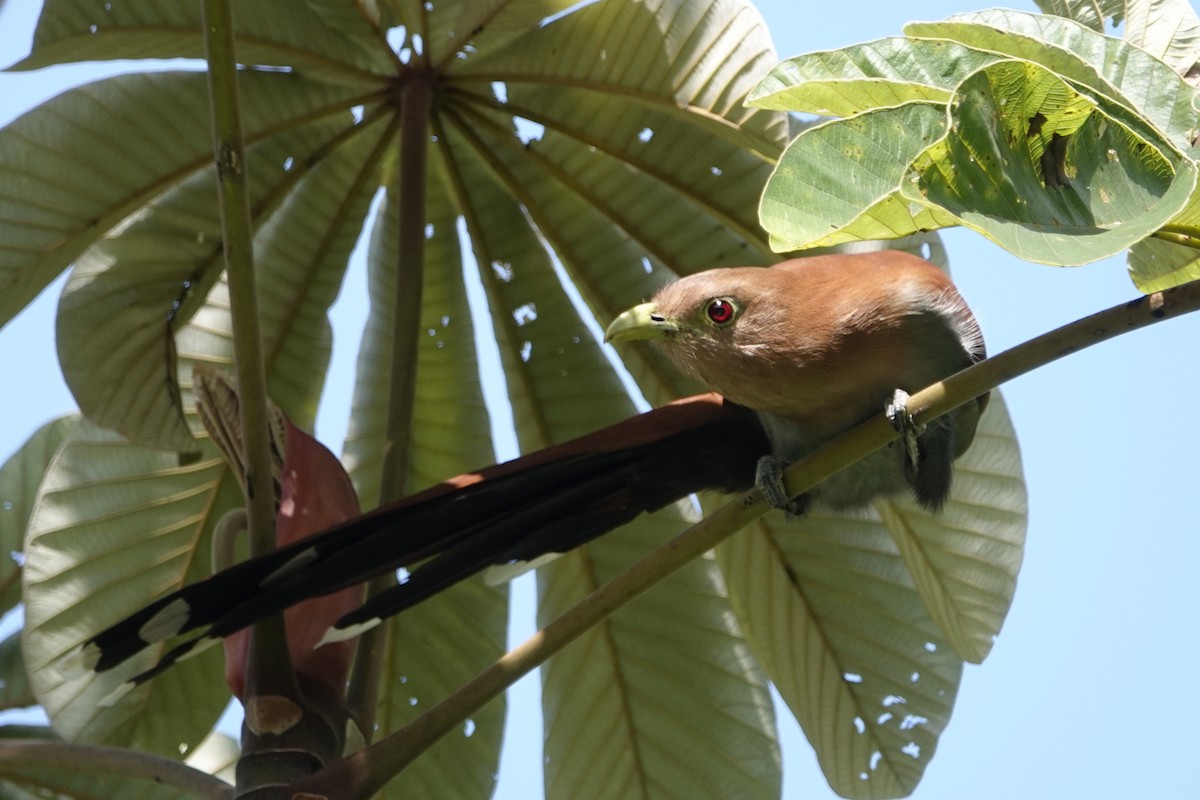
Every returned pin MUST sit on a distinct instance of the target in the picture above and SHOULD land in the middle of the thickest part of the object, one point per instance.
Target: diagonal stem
(363, 773)
(1182, 235)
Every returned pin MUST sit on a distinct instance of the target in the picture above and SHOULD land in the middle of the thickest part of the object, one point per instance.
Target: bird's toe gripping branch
(897, 413)
(768, 477)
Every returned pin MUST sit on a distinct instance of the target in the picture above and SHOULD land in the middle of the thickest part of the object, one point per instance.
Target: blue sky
(1085, 692)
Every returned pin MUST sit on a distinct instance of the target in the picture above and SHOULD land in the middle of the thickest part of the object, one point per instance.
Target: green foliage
(555, 143)
(622, 194)
(1059, 143)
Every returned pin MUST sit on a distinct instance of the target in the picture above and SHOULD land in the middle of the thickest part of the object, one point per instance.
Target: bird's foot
(769, 479)
(897, 413)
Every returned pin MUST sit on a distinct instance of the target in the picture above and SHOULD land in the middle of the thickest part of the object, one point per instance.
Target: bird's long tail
(549, 501)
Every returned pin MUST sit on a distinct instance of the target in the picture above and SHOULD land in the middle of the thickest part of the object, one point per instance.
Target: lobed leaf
(123, 141)
(131, 292)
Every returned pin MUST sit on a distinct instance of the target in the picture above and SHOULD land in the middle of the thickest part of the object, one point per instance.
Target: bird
(793, 355)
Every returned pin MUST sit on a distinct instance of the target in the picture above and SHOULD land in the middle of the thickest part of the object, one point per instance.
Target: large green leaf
(273, 32)
(14, 678)
(860, 620)
(1140, 83)
(1108, 188)
(123, 141)
(561, 385)
(19, 480)
(1061, 144)
(840, 181)
(113, 526)
(872, 75)
(658, 701)
(434, 649)
(309, 190)
(1166, 29)
(116, 525)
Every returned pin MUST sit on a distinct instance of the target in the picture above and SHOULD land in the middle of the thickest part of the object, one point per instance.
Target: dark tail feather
(549, 501)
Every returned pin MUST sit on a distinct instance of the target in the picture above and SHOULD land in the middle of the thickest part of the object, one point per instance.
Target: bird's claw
(769, 479)
(897, 413)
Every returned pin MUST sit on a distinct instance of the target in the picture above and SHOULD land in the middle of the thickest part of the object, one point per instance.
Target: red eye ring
(720, 311)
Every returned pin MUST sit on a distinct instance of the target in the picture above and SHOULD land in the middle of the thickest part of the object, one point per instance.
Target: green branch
(269, 668)
(365, 772)
(1183, 235)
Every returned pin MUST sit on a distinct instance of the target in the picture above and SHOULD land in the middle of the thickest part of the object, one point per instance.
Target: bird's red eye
(720, 311)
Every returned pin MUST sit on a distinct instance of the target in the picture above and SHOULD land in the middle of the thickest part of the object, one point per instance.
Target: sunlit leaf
(276, 32)
(873, 75)
(1167, 29)
(1105, 190)
(19, 480)
(114, 526)
(840, 181)
(1149, 90)
(217, 755)
(1091, 13)
(1156, 264)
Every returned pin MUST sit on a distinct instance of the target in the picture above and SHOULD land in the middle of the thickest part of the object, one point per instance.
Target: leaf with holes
(1050, 174)
(862, 621)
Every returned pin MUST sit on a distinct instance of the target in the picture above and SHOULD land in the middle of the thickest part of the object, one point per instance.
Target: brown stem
(416, 100)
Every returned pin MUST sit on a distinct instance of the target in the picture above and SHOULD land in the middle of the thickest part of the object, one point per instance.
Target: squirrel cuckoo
(798, 353)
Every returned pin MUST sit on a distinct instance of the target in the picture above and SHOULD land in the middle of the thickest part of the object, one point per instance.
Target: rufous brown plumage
(798, 353)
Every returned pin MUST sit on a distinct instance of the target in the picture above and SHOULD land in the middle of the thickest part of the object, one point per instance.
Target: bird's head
(715, 324)
(825, 339)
